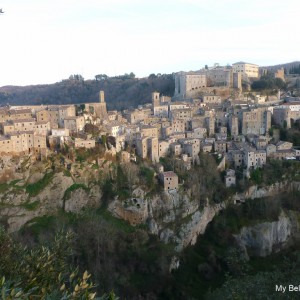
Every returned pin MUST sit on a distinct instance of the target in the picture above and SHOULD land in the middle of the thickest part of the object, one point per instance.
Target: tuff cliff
(265, 238)
(30, 188)
(33, 188)
(178, 218)
(175, 217)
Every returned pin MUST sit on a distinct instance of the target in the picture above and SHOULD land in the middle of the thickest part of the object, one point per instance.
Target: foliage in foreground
(261, 285)
(43, 272)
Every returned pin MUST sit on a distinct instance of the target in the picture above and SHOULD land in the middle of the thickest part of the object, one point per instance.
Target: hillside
(286, 66)
(120, 92)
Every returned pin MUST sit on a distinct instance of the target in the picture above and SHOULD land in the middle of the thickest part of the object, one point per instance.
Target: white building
(247, 70)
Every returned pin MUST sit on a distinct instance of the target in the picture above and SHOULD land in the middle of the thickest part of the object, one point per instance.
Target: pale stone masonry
(255, 121)
(81, 143)
(74, 124)
(248, 70)
(188, 84)
(55, 114)
(23, 142)
(230, 178)
(169, 180)
(155, 130)
(286, 113)
(98, 109)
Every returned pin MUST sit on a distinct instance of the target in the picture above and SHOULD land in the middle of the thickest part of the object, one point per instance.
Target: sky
(45, 41)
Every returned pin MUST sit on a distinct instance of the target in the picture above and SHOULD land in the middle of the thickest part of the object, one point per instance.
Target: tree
(42, 272)
(101, 77)
(76, 77)
(152, 76)
(92, 129)
(132, 75)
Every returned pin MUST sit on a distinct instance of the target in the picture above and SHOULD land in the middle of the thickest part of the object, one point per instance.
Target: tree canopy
(268, 83)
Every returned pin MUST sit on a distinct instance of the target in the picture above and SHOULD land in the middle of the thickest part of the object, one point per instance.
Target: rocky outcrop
(134, 210)
(173, 216)
(264, 238)
(254, 192)
(18, 205)
(190, 231)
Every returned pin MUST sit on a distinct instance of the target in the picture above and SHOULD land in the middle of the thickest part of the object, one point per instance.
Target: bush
(35, 188)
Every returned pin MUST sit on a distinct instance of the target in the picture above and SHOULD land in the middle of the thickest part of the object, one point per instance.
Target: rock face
(133, 210)
(199, 220)
(173, 216)
(18, 205)
(264, 238)
(255, 191)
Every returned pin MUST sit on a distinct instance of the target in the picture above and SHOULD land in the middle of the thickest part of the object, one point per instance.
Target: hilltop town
(212, 110)
(212, 170)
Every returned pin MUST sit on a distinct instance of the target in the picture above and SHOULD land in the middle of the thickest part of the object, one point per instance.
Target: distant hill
(121, 92)
(286, 66)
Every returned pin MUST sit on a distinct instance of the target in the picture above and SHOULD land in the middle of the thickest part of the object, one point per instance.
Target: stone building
(137, 115)
(183, 114)
(199, 133)
(255, 121)
(81, 143)
(255, 159)
(188, 84)
(142, 147)
(234, 126)
(74, 124)
(55, 114)
(191, 147)
(161, 111)
(286, 114)
(23, 142)
(148, 131)
(178, 125)
(247, 70)
(206, 147)
(6, 145)
(163, 148)
(176, 148)
(209, 98)
(7, 114)
(98, 109)
(230, 178)
(17, 125)
(280, 74)
(210, 125)
(169, 180)
(153, 149)
(155, 99)
(220, 146)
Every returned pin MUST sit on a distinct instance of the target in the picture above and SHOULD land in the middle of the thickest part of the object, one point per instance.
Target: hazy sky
(45, 41)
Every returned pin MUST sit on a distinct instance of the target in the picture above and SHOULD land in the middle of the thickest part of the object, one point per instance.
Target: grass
(67, 173)
(35, 188)
(5, 186)
(95, 167)
(40, 224)
(30, 205)
(118, 223)
(72, 188)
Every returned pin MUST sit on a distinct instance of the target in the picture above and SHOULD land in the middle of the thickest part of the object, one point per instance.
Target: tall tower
(155, 99)
(101, 97)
